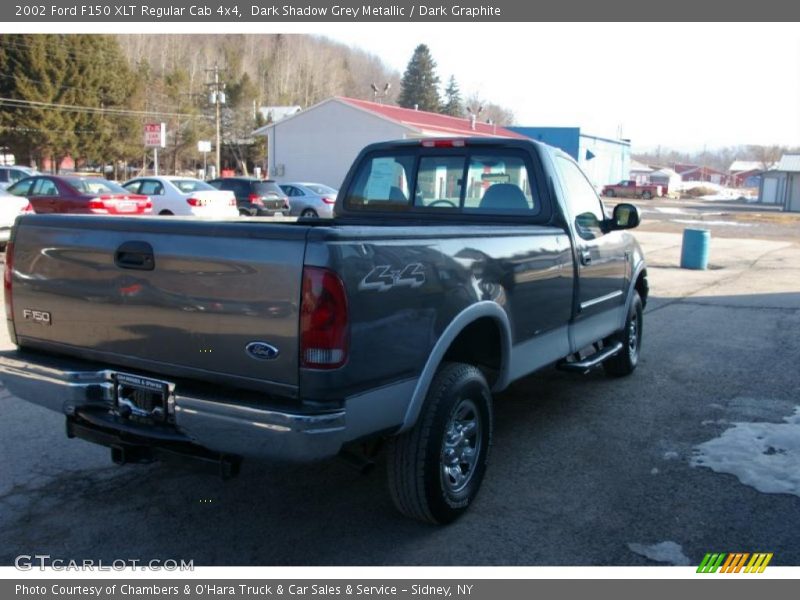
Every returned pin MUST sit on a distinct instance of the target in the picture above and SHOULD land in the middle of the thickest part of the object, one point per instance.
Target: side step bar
(583, 366)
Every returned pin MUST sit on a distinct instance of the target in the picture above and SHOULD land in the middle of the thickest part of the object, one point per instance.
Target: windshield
(187, 186)
(322, 190)
(97, 186)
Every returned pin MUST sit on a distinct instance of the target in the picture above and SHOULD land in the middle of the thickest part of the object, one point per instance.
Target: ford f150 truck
(451, 269)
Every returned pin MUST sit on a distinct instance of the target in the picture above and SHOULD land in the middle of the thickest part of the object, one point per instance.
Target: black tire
(427, 463)
(165, 213)
(647, 195)
(610, 193)
(243, 212)
(309, 213)
(626, 360)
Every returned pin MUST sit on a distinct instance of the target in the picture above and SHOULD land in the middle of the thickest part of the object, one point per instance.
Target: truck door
(602, 259)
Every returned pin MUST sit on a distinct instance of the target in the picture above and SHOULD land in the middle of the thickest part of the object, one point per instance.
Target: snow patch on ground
(671, 455)
(667, 552)
(697, 222)
(765, 456)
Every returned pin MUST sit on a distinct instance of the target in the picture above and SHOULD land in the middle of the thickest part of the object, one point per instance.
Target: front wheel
(436, 468)
(625, 361)
(610, 193)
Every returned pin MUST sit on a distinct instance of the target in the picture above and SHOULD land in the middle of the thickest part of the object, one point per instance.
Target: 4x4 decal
(383, 278)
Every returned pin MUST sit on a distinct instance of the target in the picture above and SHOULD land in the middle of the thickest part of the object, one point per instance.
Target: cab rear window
(479, 181)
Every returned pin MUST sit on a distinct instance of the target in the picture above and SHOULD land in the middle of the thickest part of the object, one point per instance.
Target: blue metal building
(604, 160)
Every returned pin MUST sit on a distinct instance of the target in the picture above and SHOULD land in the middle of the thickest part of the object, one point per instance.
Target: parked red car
(80, 195)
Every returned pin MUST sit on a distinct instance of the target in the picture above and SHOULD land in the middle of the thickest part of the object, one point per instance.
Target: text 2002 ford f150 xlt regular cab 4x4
(453, 268)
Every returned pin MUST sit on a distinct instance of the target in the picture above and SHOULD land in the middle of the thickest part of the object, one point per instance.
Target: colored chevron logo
(734, 562)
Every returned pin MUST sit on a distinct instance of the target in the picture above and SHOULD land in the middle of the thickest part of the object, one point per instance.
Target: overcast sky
(677, 85)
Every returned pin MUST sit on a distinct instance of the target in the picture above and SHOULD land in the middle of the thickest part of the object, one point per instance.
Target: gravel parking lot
(698, 451)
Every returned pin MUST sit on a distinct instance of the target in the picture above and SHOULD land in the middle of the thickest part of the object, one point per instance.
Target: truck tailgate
(83, 286)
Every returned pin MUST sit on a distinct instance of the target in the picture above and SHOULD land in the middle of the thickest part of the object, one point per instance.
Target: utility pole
(217, 98)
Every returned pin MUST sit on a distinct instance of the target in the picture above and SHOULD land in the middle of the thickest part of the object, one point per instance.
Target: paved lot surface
(584, 471)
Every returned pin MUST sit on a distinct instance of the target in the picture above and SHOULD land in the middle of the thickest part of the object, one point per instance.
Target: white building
(320, 143)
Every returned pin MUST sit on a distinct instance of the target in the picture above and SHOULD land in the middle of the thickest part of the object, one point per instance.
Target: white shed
(319, 144)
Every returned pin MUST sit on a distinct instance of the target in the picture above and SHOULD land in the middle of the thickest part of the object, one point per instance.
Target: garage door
(794, 193)
(770, 192)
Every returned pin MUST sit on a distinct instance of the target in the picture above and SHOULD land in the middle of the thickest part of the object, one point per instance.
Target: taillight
(232, 202)
(28, 208)
(329, 200)
(443, 143)
(98, 205)
(324, 322)
(197, 202)
(7, 279)
(255, 199)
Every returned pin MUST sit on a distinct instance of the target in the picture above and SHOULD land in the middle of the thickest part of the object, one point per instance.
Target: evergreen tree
(420, 84)
(70, 79)
(453, 105)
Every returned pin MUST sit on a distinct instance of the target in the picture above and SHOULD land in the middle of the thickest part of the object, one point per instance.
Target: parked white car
(11, 207)
(184, 196)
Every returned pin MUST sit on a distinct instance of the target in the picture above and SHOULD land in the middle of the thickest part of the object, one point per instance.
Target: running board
(583, 366)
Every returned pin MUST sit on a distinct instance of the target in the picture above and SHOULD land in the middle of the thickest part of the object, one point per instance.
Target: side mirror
(625, 216)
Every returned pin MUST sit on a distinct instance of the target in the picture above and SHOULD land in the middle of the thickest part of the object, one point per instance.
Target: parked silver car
(310, 199)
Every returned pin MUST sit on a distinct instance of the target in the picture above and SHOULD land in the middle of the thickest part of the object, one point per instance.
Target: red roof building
(320, 143)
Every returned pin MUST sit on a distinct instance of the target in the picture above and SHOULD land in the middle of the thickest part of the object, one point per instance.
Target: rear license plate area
(141, 399)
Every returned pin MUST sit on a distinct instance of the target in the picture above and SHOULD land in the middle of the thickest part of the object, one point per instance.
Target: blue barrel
(694, 251)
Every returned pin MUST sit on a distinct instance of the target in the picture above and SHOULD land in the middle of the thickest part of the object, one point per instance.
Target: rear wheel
(626, 360)
(243, 212)
(309, 213)
(436, 468)
(646, 195)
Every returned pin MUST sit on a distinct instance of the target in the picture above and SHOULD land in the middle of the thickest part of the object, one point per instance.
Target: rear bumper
(212, 422)
(219, 425)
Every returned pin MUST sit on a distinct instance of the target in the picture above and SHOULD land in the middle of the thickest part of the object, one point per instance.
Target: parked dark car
(80, 195)
(255, 197)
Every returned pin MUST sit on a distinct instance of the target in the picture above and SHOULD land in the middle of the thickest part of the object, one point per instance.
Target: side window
(133, 186)
(16, 175)
(151, 188)
(582, 200)
(382, 182)
(439, 181)
(499, 183)
(45, 187)
(4, 176)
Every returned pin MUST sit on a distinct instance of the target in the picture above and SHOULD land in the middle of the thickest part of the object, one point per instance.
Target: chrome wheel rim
(633, 337)
(462, 445)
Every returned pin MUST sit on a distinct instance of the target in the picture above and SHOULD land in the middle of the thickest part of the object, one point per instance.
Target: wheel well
(642, 287)
(479, 344)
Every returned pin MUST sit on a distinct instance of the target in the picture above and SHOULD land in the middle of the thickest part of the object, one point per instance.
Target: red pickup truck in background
(630, 189)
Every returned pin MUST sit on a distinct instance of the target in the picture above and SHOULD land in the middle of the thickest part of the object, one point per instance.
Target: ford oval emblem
(262, 351)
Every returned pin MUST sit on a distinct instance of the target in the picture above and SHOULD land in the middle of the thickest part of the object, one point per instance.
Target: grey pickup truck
(452, 268)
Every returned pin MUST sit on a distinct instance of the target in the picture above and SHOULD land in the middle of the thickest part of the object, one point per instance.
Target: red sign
(155, 135)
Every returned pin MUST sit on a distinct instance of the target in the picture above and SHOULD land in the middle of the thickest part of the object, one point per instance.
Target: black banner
(236, 11)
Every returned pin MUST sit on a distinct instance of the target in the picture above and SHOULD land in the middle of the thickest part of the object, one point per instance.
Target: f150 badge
(383, 277)
(37, 316)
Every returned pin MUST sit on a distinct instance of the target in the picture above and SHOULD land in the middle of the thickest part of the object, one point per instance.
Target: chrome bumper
(217, 424)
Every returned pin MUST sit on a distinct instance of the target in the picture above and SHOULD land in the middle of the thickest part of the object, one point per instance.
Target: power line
(30, 104)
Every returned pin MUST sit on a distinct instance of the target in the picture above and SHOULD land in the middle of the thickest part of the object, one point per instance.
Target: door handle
(586, 257)
(135, 255)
